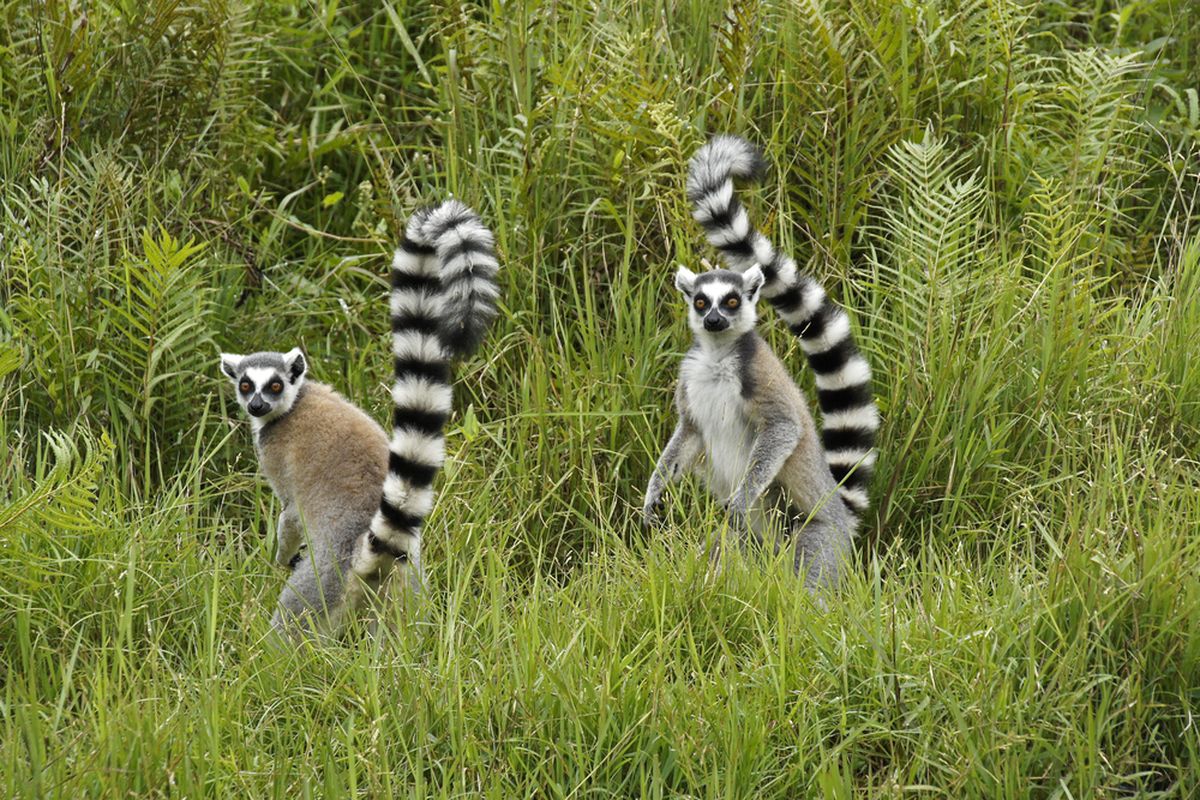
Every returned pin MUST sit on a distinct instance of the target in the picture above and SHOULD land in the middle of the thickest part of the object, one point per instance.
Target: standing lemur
(737, 404)
(358, 499)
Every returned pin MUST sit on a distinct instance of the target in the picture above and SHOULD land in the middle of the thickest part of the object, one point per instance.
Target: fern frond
(932, 220)
(42, 520)
(156, 342)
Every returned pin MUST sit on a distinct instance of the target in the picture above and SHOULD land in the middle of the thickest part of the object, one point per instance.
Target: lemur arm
(677, 458)
(773, 444)
(288, 532)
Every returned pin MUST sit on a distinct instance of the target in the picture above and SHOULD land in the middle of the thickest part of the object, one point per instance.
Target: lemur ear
(294, 363)
(229, 365)
(685, 281)
(752, 281)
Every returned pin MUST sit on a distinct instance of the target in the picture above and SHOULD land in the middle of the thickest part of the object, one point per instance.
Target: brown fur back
(333, 458)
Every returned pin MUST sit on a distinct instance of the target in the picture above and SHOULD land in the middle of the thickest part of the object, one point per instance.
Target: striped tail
(850, 419)
(444, 296)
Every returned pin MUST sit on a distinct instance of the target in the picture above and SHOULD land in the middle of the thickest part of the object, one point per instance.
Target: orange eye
(277, 387)
(245, 386)
(732, 302)
(701, 303)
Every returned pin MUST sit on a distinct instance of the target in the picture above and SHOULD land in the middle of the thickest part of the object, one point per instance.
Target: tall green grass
(1003, 193)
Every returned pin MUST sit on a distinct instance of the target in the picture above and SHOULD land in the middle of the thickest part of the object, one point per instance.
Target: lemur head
(267, 383)
(722, 302)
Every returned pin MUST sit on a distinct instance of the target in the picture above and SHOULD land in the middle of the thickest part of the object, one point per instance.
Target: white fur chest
(713, 391)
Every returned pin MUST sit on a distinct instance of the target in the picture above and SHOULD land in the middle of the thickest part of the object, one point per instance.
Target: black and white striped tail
(443, 301)
(850, 419)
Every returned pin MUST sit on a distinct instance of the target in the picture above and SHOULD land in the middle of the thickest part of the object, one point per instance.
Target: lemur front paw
(651, 516)
(737, 515)
(289, 559)
(652, 511)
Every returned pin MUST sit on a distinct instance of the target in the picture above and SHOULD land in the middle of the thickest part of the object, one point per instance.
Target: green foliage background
(1005, 195)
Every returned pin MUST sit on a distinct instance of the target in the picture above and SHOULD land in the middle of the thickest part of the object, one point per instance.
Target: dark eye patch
(731, 300)
(701, 302)
(245, 386)
(275, 385)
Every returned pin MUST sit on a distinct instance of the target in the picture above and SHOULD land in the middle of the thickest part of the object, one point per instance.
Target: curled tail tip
(731, 155)
(470, 312)
(432, 223)
(466, 265)
(723, 157)
(414, 230)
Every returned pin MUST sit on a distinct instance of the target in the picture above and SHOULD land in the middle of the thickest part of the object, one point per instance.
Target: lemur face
(267, 383)
(721, 301)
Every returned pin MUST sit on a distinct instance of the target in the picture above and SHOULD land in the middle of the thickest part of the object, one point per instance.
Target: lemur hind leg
(311, 600)
(768, 522)
(824, 545)
(752, 504)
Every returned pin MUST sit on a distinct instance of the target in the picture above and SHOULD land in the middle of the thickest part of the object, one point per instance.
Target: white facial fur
(715, 289)
(260, 370)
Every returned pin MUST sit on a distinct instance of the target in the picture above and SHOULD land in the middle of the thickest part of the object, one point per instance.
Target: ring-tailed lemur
(361, 498)
(849, 417)
(736, 401)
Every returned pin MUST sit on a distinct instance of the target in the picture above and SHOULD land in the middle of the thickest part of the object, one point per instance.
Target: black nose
(257, 407)
(715, 322)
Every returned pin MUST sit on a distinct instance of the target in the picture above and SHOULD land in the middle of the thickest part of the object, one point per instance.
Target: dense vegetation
(1005, 195)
